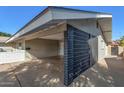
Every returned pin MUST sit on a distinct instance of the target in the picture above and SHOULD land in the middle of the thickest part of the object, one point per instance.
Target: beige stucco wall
(98, 48)
(102, 48)
(120, 50)
(40, 48)
(109, 49)
(115, 50)
(97, 44)
(61, 48)
(44, 48)
(93, 44)
(88, 26)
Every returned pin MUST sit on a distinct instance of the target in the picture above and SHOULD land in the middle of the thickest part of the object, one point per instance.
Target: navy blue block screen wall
(76, 53)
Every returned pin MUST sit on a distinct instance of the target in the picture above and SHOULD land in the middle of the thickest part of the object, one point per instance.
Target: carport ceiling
(58, 36)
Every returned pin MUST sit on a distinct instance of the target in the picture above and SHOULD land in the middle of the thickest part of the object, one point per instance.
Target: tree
(122, 38)
(122, 41)
(5, 34)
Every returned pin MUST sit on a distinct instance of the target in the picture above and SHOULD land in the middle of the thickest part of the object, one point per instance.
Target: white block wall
(9, 57)
(61, 48)
(102, 48)
(98, 48)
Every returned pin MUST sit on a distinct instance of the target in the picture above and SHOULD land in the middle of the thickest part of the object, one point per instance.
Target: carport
(64, 33)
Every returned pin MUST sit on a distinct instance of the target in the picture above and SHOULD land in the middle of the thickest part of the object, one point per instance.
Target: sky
(14, 18)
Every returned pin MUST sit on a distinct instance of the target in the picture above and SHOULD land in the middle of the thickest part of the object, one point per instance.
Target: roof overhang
(55, 15)
(106, 28)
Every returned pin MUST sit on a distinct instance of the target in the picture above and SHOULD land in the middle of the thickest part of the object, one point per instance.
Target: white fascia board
(72, 14)
(103, 16)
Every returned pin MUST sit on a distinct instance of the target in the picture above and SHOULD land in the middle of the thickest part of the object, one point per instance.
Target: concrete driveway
(106, 73)
(48, 72)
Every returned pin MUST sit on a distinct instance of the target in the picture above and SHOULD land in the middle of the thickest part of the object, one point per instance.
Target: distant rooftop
(3, 39)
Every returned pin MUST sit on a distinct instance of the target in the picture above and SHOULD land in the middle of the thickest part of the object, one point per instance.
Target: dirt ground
(48, 72)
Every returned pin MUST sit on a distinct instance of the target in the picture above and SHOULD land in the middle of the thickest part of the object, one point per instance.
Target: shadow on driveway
(106, 73)
(48, 72)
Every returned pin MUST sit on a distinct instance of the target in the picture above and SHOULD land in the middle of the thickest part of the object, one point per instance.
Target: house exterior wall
(40, 48)
(98, 45)
(93, 43)
(109, 50)
(61, 48)
(20, 44)
(102, 48)
(120, 50)
(98, 48)
(88, 26)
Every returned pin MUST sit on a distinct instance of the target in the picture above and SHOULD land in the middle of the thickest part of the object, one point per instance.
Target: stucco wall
(98, 48)
(102, 48)
(120, 50)
(117, 50)
(93, 44)
(97, 44)
(88, 26)
(61, 48)
(45, 48)
(40, 48)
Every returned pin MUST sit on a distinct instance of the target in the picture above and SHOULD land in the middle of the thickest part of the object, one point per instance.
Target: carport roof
(54, 15)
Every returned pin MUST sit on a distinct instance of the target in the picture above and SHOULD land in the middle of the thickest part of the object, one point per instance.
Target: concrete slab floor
(48, 72)
(106, 73)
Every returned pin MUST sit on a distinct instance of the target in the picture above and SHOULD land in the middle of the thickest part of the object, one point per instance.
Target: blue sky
(13, 18)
